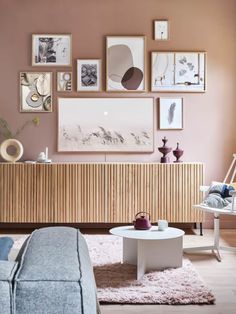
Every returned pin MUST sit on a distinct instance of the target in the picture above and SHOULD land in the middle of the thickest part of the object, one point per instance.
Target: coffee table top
(151, 234)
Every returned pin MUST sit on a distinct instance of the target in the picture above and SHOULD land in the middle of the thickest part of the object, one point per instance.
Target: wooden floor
(220, 277)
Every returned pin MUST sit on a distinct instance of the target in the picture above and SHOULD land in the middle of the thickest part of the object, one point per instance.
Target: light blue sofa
(54, 275)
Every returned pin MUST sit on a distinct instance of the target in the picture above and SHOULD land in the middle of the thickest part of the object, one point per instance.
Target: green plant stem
(19, 130)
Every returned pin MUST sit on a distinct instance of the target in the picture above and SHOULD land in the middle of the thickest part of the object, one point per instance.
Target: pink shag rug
(116, 282)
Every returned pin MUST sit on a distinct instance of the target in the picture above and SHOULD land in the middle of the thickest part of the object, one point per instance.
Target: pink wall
(209, 25)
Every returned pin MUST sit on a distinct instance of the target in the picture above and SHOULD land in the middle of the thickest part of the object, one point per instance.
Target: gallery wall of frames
(99, 124)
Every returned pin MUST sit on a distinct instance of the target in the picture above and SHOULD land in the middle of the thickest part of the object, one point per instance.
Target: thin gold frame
(159, 114)
(99, 77)
(51, 64)
(168, 29)
(144, 65)
(108, 152)
(32, 110)
(176, 90)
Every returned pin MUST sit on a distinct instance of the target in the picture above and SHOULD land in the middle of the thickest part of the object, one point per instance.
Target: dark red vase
(165, 150)
(178, 153)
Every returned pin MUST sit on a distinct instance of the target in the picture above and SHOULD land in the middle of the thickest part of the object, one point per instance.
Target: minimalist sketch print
(178, 71)
(171, 113)
(89, 75)
(51, 50)
(64, 81)
(162, 69)
(125, 63)
(105, 124)
(35, 91)
(187, 68)
(161, 30)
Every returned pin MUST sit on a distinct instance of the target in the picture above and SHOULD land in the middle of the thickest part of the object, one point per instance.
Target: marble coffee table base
(153, 254)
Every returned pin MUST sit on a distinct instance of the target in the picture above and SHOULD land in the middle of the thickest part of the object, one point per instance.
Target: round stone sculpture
(18, 150)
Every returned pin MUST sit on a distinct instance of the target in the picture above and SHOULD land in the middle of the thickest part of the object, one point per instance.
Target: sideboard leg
(201, 233)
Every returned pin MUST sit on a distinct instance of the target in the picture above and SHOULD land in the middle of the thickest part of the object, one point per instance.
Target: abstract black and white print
(36, 91)
(171, 113)
(105, 124)
(51, 50)
(88, 75)
(125, 63)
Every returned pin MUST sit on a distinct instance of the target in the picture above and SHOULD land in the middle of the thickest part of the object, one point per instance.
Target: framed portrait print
(105, 125)
(36, 92)
(161, 30)
(170, 113)
(64, 81)
(51, 50)
(88, 75)
(178, 72)
(125, 63)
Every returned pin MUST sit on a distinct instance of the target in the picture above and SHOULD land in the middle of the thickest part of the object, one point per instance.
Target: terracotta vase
(178, 153)
(165, 150)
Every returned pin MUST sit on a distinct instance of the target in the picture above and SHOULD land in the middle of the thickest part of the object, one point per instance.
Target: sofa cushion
(6, 244)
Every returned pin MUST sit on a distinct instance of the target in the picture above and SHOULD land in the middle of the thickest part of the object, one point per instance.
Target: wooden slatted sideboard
(99, 192)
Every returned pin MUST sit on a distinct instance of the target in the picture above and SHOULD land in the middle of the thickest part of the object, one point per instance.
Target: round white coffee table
(151, 249)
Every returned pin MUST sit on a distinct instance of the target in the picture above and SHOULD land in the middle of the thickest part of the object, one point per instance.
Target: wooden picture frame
(161, 30)
(106, 125)
(35, 91)
(52, 50)
(89, 77)
(170, 113)
(127, 74)
(178, 71)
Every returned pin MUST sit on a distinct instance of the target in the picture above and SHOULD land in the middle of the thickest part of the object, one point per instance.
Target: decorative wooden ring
(6, 144)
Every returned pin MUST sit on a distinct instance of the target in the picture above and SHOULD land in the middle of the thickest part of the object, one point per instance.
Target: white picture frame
(178, 71)
(64, 81)
(161, 30)
(126, 63)
(170, 113)
(51, 50)
(35, 92)
(106, 125)
(89, 75)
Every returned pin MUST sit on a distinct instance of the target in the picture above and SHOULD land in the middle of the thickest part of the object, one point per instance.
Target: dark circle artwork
(132, 78)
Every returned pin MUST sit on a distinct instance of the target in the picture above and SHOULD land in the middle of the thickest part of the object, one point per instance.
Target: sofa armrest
(7, 270)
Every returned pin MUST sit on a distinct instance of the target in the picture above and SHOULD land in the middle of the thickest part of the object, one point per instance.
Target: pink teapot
(142, 221)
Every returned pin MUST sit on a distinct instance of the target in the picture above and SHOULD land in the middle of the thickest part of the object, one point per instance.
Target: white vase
(18, 150)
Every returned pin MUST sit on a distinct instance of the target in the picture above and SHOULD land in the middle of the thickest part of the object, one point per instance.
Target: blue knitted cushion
(6, 244)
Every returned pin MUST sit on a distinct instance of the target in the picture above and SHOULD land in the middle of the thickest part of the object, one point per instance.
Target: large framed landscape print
(178, 72)
(51, 50)
(125, 63)
(105, 125)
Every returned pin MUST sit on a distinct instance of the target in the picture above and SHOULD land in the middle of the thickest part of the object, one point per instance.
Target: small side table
(151, 249)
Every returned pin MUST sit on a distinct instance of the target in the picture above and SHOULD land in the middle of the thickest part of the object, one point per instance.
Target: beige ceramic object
(18, 150)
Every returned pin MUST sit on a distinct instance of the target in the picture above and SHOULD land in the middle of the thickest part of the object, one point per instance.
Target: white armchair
(229, 210)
